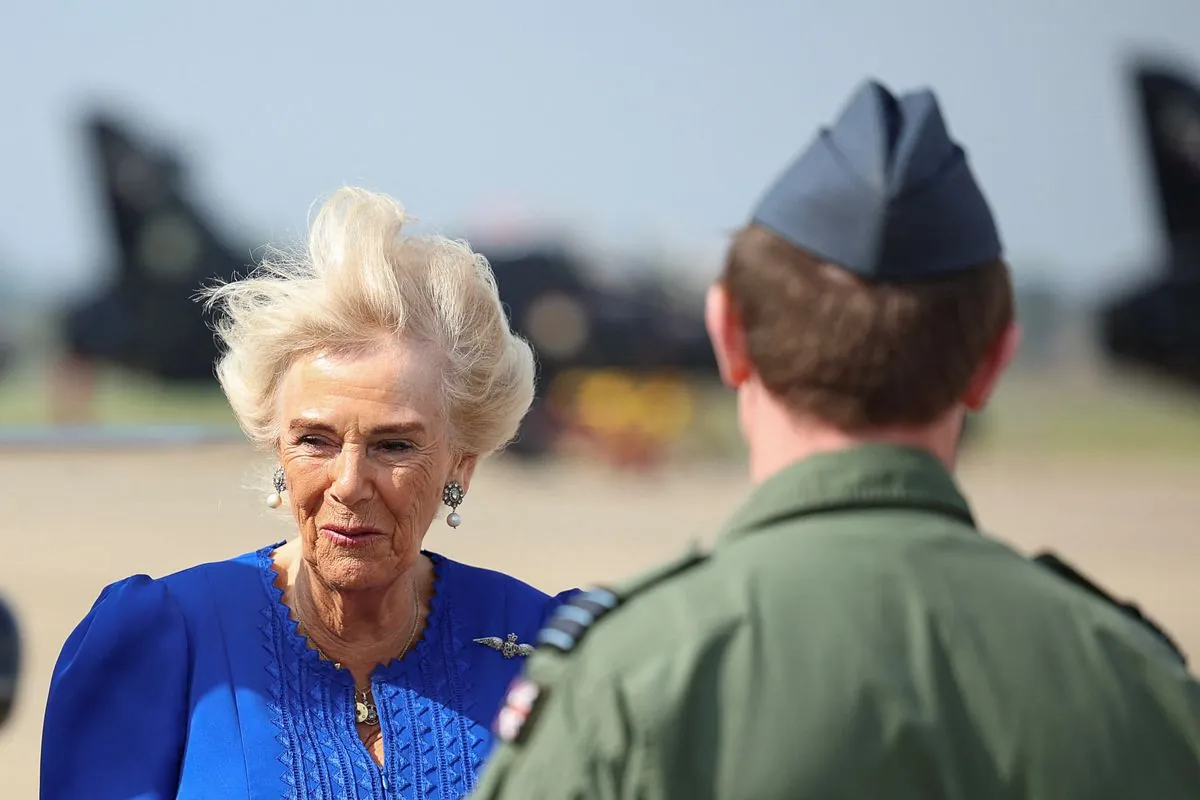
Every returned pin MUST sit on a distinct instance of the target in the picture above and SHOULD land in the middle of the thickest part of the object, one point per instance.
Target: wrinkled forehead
(391, 384)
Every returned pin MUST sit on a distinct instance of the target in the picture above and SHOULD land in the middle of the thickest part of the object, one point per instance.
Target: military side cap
(885, 193)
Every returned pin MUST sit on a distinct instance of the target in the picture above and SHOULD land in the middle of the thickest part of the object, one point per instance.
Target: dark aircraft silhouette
(576, 327)
(1156, 327)
(147, 321)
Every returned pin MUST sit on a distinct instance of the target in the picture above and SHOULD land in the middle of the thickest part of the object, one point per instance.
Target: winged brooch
(508, 646)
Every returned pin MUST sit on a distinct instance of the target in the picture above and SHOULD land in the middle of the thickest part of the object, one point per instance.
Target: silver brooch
(508, 646)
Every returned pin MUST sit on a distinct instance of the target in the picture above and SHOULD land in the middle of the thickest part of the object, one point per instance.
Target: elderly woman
(349, 662)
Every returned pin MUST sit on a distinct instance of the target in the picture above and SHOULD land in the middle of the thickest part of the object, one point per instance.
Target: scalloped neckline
(309, 656)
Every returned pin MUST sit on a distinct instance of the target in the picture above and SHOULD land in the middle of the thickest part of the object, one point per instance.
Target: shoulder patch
(571, 620)
(519, 703)
(1064, 570)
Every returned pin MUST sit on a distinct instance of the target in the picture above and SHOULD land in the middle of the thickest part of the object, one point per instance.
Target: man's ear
(995, 361)
(728, 338)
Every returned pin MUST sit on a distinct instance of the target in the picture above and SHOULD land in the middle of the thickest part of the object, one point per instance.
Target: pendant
(364, 709)
(365, 713)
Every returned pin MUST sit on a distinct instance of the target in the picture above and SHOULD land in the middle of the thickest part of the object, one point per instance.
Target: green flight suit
(851, 635)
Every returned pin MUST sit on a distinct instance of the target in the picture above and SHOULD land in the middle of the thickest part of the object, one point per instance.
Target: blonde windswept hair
(360, 282)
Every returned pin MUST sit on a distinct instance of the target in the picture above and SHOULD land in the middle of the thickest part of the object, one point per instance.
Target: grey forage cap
(885, 193)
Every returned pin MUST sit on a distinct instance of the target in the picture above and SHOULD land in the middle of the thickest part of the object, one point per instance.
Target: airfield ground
(1115, 488)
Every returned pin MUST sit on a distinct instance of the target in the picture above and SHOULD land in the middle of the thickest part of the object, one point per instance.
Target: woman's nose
(351, 483)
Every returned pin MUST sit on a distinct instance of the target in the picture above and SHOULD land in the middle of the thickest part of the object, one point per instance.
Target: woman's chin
(360, 567)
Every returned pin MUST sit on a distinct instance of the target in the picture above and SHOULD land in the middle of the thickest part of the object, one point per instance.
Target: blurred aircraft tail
(1169, 105)
(165, 250)
(1156, 327)
(161, 235)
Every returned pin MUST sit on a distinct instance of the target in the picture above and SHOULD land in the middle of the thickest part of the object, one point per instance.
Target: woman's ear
(463, 470)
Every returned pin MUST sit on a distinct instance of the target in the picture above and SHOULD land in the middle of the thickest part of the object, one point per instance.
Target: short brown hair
(859, 355)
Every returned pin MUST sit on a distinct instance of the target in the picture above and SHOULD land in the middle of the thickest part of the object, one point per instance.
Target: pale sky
(633, 119)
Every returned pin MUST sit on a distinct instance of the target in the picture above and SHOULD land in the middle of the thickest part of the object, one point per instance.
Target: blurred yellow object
(607, 402)
(613, 402)
(667, 407)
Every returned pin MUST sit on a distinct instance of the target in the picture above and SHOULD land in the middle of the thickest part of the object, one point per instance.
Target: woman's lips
(345, 536)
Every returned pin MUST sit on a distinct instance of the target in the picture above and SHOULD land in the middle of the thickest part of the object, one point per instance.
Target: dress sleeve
(116, 716)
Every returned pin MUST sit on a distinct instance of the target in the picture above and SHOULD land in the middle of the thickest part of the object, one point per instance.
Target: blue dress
(197, 685)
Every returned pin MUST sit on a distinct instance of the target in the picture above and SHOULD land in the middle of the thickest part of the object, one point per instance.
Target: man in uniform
(853, 633)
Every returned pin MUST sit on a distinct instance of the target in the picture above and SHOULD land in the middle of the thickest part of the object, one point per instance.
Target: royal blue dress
(197, 685)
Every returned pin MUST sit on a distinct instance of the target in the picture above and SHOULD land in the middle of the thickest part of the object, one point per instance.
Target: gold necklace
(365, 712)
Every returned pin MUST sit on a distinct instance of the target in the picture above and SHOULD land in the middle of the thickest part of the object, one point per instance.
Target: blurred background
(600, 156)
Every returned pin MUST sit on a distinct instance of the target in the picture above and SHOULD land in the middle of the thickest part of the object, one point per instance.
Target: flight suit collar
(867, 476)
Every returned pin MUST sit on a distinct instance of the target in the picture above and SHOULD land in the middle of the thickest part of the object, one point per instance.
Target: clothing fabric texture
(198, 685)
(852, 634)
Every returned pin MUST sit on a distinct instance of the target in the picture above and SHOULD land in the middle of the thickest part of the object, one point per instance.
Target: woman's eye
(310, 440)
(396, 446)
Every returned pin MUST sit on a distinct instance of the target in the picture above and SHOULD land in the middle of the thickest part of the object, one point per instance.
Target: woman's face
(364, 447)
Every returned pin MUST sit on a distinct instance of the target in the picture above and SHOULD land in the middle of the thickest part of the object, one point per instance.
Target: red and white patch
(518, 704)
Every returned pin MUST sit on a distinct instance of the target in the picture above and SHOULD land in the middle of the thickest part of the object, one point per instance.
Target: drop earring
(275, 499)
(452, 496)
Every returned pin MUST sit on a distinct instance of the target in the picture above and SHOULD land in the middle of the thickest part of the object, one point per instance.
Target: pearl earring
(452, 496)
(275, 499)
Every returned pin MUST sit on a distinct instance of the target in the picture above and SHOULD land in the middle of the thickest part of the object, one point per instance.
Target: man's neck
(776, 438)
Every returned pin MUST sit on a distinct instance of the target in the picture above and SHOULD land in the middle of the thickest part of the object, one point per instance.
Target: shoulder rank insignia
(572, 619)
(508, 646)
(518, 705)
